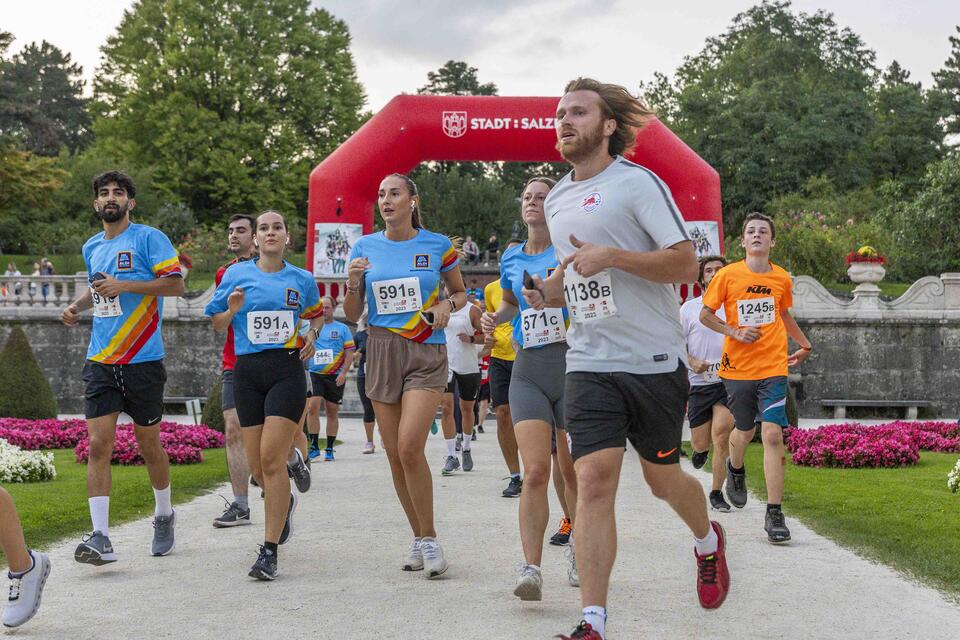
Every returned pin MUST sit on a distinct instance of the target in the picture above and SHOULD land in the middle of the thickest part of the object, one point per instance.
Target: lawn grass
(50, 511)
(905, 518)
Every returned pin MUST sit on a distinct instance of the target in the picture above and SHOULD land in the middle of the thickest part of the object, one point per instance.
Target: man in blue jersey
(131, 268)
(332, 359)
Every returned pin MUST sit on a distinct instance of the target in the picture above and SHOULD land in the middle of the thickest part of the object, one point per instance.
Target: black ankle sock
(330, 441)
(315, 440)
(271, 547)
(735, 469)
(773, 507)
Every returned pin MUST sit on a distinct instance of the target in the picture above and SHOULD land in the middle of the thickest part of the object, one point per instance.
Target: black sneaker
(775, 524)
(473, 437)
(288, 525)
(514, 488)
(562, 536)
(265, 568)
(233, 516)
(480, 428)
(717, 503)
(299, 471)
(699, 458)
(736, 486)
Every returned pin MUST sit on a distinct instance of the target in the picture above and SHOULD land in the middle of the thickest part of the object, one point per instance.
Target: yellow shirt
(503, 334)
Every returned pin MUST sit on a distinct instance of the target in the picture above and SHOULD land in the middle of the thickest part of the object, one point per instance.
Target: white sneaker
(433, 561)
(572, 574)
(529, 584)
(25, 592)
(369, 448)
(414, 559)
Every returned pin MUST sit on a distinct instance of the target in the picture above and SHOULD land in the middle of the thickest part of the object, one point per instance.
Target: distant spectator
(493, 249)
(12, 272)
(472, 251)
(33, 285)
(472, 297)
(46, 269)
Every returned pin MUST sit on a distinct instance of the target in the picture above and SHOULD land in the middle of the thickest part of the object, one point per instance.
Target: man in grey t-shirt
(621, 244)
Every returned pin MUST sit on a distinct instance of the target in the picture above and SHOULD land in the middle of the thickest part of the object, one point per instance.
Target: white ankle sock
(452, 447)
(466, 442)
(596, 617)
(100, 514)
(708, 545)
(164, 506)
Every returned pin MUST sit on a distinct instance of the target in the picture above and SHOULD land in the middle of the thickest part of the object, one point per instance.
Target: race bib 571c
(542, 327)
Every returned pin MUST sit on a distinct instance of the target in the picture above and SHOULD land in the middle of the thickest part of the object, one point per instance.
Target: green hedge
(24, 390)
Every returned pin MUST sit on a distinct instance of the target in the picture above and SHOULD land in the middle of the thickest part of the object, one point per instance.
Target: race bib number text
(755, 313)
(401, 295)
(104, 306)
(542, 327)
(323, 356)
(710, 375)
(270, 327)
(589, 298)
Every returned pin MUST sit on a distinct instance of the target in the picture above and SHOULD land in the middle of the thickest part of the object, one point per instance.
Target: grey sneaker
(573, 576)
(233, 516)
(776, 527)
(288, 525)
(300, 472)
(450, 466)
(163, 534)
(736, 486)
(96, 549)
(434, 563)
(25, 591)
(467, 460)
(529, 584)
(414, 559)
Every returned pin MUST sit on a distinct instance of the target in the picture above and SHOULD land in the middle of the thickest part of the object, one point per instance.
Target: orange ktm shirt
(752, 300)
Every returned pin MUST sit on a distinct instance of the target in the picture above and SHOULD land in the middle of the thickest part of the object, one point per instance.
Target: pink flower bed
(852, 445)
(183, 443)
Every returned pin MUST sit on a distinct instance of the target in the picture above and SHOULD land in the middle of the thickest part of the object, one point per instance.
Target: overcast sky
(527, 47)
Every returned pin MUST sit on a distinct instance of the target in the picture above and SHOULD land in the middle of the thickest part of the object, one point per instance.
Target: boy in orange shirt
(756, 296)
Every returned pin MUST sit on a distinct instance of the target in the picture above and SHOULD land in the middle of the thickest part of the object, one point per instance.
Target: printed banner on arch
(332, 243)
(705, 236)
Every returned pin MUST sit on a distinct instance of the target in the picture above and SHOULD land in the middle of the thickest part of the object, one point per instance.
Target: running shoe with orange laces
(713, 579)
(583, 632)
(562, 536)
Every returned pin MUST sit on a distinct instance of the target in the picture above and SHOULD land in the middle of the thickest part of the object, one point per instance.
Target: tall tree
(41, 100)
(456, 78)
(778, 98)
(232, 102)
(906, 135)
(948, 85)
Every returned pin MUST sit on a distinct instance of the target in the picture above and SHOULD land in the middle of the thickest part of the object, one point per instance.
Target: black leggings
(368, 415)
(269, 383)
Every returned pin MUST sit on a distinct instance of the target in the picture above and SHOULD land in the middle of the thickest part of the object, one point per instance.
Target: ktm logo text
(759, 289)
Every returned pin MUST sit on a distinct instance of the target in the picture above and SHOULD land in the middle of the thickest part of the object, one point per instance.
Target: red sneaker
(713, 578)
(583, 632)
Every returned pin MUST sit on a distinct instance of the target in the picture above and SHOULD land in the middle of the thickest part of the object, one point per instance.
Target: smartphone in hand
(99, 275)
(427, 317)
(528, 281)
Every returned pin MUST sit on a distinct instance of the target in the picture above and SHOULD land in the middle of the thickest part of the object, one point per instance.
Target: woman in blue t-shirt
(397, 274)
(536, 386)
(263, 300)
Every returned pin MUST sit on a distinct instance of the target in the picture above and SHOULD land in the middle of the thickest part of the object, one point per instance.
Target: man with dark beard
(131, 268)
(621, 244)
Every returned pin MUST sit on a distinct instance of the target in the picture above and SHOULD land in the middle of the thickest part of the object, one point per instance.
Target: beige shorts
(396, 364)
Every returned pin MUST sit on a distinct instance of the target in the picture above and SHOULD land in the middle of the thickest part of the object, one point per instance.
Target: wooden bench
(840, 406)
(193, 404)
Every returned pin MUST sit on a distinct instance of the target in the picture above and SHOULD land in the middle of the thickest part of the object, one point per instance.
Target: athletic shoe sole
(721, 508)
(217, 524)
(436, 574)
(410, 567)
(261, 575)
(89, 555)
(528, 591)
(36, 605)
(777, 542)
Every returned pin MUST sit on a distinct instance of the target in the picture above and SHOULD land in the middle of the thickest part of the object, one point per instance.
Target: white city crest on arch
(454, 123)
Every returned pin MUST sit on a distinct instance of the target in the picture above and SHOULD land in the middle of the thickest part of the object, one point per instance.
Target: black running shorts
(269, 383)
(468, 384)
(325, 386)
(135, 389)
(227, 396)
(702, 400)
(500, 372)
(604, 410)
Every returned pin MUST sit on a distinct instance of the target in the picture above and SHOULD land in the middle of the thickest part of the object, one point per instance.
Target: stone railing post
(951, 290)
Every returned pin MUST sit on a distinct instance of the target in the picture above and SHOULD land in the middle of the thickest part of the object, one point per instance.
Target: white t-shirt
(625, 206)
(702, 342)
(461, 356)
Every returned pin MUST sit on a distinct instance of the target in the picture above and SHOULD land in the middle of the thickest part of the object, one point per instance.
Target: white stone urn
(866, 272)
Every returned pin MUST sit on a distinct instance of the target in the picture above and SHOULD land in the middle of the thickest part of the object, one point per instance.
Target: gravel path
(340, 574)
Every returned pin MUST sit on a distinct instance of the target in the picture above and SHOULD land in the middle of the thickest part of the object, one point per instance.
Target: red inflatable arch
(413, 129)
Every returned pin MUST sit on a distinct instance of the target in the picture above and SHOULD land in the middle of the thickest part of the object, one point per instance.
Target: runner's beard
(113, 215)
(583, 147)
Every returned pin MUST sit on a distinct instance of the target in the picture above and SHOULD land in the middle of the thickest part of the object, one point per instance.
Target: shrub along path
(340, 573)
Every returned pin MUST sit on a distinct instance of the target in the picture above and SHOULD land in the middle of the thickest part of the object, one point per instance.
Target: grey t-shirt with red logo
(629, 207)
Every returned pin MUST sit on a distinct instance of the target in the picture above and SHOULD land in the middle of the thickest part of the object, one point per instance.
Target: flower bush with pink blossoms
(853, 445)
(183, 443)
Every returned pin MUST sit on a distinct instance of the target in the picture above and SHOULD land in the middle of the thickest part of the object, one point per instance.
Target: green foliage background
(24, 390)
